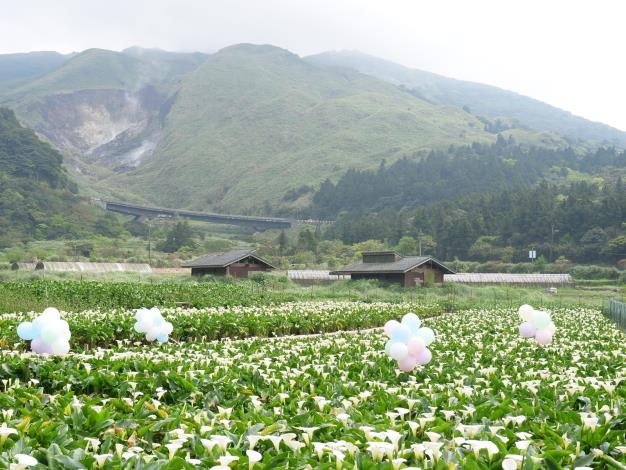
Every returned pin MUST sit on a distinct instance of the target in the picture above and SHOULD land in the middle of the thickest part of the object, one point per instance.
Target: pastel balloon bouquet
(536, 324)
(408, 342)
(48, 333)
(151, 323)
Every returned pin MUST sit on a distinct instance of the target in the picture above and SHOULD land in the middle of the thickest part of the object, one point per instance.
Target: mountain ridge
(245, 129)
(477, 96)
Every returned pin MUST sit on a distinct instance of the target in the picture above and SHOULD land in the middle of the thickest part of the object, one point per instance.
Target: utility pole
(552, 232)
(149, 242)
(419, 241)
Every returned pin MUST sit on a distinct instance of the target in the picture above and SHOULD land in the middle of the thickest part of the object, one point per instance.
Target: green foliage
(451, 174)
(505, 225)
(37, 201)
(197, 403)
(407, 246)
(181, 235)
(103, 328)
(82, 295)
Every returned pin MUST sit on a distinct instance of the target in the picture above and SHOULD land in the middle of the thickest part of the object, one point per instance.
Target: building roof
(221, 260)
(314, 275)
(88, 267)
(402, 265)
(509, 278)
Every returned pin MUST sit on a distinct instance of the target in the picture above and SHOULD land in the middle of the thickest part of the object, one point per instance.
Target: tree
(283, 243)
(592, 242)
(179, 236)
(307, 241)
(407, 246)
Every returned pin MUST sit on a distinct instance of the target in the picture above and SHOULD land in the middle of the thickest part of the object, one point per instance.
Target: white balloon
(38, 324)
(51, 331)
(526, 312)
(145, 325)
(411, 320)
(60, 347)
(551, 328)
(152, 333)
(398, 351)
(426, 334)
(52, 312)
(541, 319)
(167, 328)
(141, 314)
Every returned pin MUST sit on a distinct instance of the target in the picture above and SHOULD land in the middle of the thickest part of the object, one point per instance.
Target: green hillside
(254, 122)
(37, 201)
(252, 129)
(16, 68)
(482, 100)
(91, 69)
(102, 107)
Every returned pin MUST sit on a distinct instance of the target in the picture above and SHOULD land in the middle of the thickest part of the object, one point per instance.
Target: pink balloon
(40, 347)
(543, 337)
(527, 330)
(416, 345)
(407, 364)
(424, 357)
(389, 326)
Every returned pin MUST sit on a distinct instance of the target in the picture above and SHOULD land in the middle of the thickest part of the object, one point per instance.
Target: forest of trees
(459, 171)
(487, 203)
(582, 222)
(37, 200)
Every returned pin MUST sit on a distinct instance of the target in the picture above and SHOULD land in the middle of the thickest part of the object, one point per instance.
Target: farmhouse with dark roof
(236, 263)
(393, 268)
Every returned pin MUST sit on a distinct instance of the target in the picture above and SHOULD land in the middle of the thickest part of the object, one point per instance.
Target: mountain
(37, 199)
(254, 122)
(482, 100)
(17, 68)
(101, 105)
(251, 128)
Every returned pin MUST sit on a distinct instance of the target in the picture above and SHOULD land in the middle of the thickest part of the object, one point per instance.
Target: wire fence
(616, 311)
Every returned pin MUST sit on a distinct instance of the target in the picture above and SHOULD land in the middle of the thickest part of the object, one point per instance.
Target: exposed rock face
(116, 127)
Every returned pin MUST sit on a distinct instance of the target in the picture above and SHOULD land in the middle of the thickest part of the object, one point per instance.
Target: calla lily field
(312, 385)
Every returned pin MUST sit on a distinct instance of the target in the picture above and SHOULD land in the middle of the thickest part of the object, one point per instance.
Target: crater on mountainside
(113, 127)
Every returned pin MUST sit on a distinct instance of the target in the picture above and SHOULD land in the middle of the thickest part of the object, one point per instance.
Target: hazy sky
(569, 53)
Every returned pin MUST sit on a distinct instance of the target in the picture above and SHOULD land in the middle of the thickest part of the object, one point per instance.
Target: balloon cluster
(47, 333)
(536, 324)
(408, 341)
(151, 322)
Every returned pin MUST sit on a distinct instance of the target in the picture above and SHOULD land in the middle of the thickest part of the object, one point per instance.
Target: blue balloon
(412, 321)
(401, 333)
(38, 324)
(162, 338)
(413, 328)
(25, 330)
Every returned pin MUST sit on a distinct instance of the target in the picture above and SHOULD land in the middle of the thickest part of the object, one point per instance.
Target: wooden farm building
(393, 268)
(236, 263)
